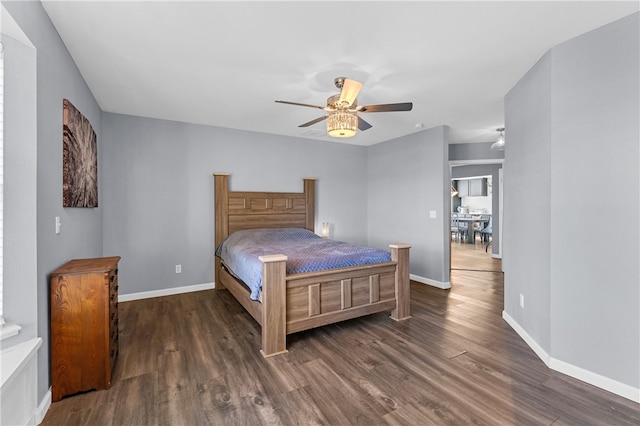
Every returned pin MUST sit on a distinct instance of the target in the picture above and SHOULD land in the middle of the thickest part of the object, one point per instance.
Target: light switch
(58, 224)
(432, 214)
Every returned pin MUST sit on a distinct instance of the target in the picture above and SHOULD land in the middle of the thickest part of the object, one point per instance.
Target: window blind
(1, 178)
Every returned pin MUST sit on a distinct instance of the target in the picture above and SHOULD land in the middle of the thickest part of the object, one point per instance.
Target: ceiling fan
(342, 110)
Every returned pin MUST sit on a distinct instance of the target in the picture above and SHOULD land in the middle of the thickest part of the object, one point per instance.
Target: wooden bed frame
(292, 303)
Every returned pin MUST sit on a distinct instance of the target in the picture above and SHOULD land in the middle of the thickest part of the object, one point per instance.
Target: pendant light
(499, 144)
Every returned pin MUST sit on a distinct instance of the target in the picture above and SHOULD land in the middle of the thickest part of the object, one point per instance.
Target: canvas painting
(79, 159)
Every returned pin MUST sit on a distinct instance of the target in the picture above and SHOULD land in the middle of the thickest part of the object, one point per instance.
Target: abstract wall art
(79, 159)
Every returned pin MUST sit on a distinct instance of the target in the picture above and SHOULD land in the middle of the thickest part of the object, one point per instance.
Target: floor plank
(193, 359)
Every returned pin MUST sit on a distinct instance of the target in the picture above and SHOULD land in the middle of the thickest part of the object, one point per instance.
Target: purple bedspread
(305, 251)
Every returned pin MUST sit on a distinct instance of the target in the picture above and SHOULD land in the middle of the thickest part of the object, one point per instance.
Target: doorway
(468, 252)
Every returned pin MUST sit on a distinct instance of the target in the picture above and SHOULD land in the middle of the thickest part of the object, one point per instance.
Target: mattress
(305, 251)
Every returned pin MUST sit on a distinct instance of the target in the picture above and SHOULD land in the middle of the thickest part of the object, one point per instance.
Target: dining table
(471, 220)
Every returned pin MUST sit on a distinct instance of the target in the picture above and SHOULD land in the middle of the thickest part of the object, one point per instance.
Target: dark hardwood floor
(193, 359)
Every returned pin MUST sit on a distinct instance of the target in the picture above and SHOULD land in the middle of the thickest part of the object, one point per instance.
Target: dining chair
(479, 226)
(487, 234)
(455, 226)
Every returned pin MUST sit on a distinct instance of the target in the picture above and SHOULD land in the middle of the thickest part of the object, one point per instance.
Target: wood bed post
(221, 211)
(400, 254)
(274, 309)
(310, 203)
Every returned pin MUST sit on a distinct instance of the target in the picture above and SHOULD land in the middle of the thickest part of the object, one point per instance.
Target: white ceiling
(223, 63)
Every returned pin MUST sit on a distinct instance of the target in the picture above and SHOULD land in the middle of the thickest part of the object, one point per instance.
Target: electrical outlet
(522, 300)
(178, 269)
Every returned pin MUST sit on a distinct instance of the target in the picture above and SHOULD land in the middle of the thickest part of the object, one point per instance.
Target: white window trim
(8, 330)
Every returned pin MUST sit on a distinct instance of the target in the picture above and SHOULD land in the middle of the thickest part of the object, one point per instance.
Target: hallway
(473, 257)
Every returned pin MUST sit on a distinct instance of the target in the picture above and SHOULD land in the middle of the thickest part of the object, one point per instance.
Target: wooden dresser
(84, 325)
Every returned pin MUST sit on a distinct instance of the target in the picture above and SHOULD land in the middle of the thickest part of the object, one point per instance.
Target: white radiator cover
(18, 389)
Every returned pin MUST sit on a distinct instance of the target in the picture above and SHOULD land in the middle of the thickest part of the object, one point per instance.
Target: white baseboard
(43, 407)
(542, 354)
(440, 284)
(595, 379)
(164, 292)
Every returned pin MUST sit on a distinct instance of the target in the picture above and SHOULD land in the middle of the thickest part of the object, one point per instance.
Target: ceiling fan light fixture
(342, 110)
(342, 123)
(499, 144)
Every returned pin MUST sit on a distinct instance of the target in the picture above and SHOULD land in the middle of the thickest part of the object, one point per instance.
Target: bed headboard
(238, 210)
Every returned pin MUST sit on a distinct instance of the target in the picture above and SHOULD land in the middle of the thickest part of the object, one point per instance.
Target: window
(1, 173)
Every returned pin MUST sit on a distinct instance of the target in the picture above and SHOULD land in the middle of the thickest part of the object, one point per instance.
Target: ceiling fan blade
(312, 122)
(405, 106)
(349, 92)
(363, 125)
(299, 104)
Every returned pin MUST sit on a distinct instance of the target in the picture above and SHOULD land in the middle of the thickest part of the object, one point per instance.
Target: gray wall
(526, 187)
(158, 192)
(572, 169)
(407, 178)
(461, 152)
(57, 77)
(605, 118)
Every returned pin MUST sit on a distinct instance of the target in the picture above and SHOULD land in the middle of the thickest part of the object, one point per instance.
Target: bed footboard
(303, 301)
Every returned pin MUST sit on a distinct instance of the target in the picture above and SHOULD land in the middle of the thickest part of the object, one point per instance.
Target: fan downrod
(339, 82)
